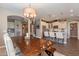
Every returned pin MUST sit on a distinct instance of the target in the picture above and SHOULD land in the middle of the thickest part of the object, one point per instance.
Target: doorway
(43, 29)
(73, 30)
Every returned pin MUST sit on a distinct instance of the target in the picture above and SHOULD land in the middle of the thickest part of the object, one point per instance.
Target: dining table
(35, 46)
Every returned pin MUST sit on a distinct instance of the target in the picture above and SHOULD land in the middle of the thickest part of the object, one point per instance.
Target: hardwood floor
(2, 47)
(69, 49)
(3, 52)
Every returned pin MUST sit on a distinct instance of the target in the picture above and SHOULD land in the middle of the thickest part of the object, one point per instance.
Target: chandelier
(29, 12)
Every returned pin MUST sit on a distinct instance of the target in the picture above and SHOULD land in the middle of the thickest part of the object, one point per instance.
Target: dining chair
(52, 35)
(46, 34)
(9, 45)
(60, 37)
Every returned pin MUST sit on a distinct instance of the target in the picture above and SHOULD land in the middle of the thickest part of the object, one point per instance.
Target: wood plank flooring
(69, 49)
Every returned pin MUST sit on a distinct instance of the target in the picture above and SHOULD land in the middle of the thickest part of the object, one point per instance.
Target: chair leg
(53, 38)
(57, 40)
(62, 41)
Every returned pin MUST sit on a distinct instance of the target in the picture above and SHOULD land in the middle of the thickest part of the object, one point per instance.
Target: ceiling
(50, 11)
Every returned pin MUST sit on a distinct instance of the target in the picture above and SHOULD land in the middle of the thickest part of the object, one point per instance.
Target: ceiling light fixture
(29, 12)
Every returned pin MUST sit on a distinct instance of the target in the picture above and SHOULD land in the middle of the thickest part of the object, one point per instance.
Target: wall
(3, 26)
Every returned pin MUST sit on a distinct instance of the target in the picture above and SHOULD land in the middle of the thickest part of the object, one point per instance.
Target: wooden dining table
(35, 46)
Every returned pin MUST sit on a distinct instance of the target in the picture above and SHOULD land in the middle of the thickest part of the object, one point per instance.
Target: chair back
(46, 33)
(52, 34)
(9, 45)
(59, 35)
